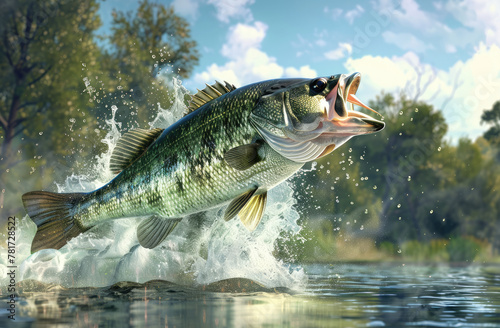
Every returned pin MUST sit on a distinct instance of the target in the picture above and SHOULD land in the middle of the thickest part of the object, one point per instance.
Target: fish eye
(319, 84)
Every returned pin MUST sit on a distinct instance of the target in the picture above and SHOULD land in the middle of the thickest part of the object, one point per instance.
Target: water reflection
(337, 296)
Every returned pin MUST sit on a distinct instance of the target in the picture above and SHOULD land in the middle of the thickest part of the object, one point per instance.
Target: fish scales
(199, 177)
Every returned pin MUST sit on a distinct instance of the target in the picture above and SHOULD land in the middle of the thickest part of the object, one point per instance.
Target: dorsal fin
(131, 146)
(209, 93)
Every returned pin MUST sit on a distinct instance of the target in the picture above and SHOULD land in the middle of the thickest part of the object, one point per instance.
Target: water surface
(338, 295)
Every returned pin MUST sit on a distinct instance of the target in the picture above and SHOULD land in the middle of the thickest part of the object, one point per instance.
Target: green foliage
(407, 183)
(146, 47)
(44, 46)
(492, 117)
(463, 249)
(57, 84)
(433, 250)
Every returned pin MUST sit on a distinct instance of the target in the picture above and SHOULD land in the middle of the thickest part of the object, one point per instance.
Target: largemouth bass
(235, 145)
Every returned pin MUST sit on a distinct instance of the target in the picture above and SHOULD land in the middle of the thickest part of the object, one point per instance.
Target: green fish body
(235, 146)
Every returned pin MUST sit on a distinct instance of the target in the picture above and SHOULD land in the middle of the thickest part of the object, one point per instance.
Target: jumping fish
(235, 145)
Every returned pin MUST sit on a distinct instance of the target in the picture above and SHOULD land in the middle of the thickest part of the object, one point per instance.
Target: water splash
(201, 250)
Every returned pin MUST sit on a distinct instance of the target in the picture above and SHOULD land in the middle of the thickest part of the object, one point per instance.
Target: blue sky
(446, 52)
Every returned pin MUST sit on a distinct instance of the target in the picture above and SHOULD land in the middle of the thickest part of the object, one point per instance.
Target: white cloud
(449, 48)
(227, 9)
(335, 12)
(478, 87)
(246, 62)
(186, 8)
(351, 15)
(344, 49)
(303, 71)
(478, 21)
(408, 13)
(481, 15)
(405, 41)
(243, 37)
(320, 43)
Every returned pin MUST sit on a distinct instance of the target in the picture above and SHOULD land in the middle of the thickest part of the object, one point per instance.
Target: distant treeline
(408, 182)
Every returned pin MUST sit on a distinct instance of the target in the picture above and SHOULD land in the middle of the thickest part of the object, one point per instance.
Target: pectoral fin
(243, 157)
(252, 212)
(153, 230)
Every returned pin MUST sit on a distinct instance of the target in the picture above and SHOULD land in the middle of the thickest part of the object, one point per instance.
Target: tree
(145, 48)
(492, 117)
(56, 83)
(398, 160)
(379, 179)
(44, 45)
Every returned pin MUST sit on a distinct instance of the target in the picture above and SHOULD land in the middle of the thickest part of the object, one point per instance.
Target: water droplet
(439, 148)
(374, 187)
(431, 211)
(40, 133)
(409, 178)
(416, 110)
(399, 206)
(399, 251)
(401, 113)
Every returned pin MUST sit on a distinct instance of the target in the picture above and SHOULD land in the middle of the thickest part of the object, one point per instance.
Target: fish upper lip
(348, 121)
(345, 89)
(337, 98)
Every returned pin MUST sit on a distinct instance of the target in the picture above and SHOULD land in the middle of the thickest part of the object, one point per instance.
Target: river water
(336, 295)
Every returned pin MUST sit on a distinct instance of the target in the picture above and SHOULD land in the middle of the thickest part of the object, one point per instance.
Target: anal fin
(152, 231)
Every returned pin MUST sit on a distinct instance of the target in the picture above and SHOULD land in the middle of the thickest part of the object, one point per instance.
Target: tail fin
(53, 215)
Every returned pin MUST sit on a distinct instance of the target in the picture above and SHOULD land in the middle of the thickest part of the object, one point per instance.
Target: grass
(319, 243)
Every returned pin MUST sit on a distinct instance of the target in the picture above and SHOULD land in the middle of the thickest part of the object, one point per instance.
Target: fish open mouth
(343, 96)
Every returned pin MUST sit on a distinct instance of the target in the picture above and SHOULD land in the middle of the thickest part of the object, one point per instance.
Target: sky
(444, 52)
